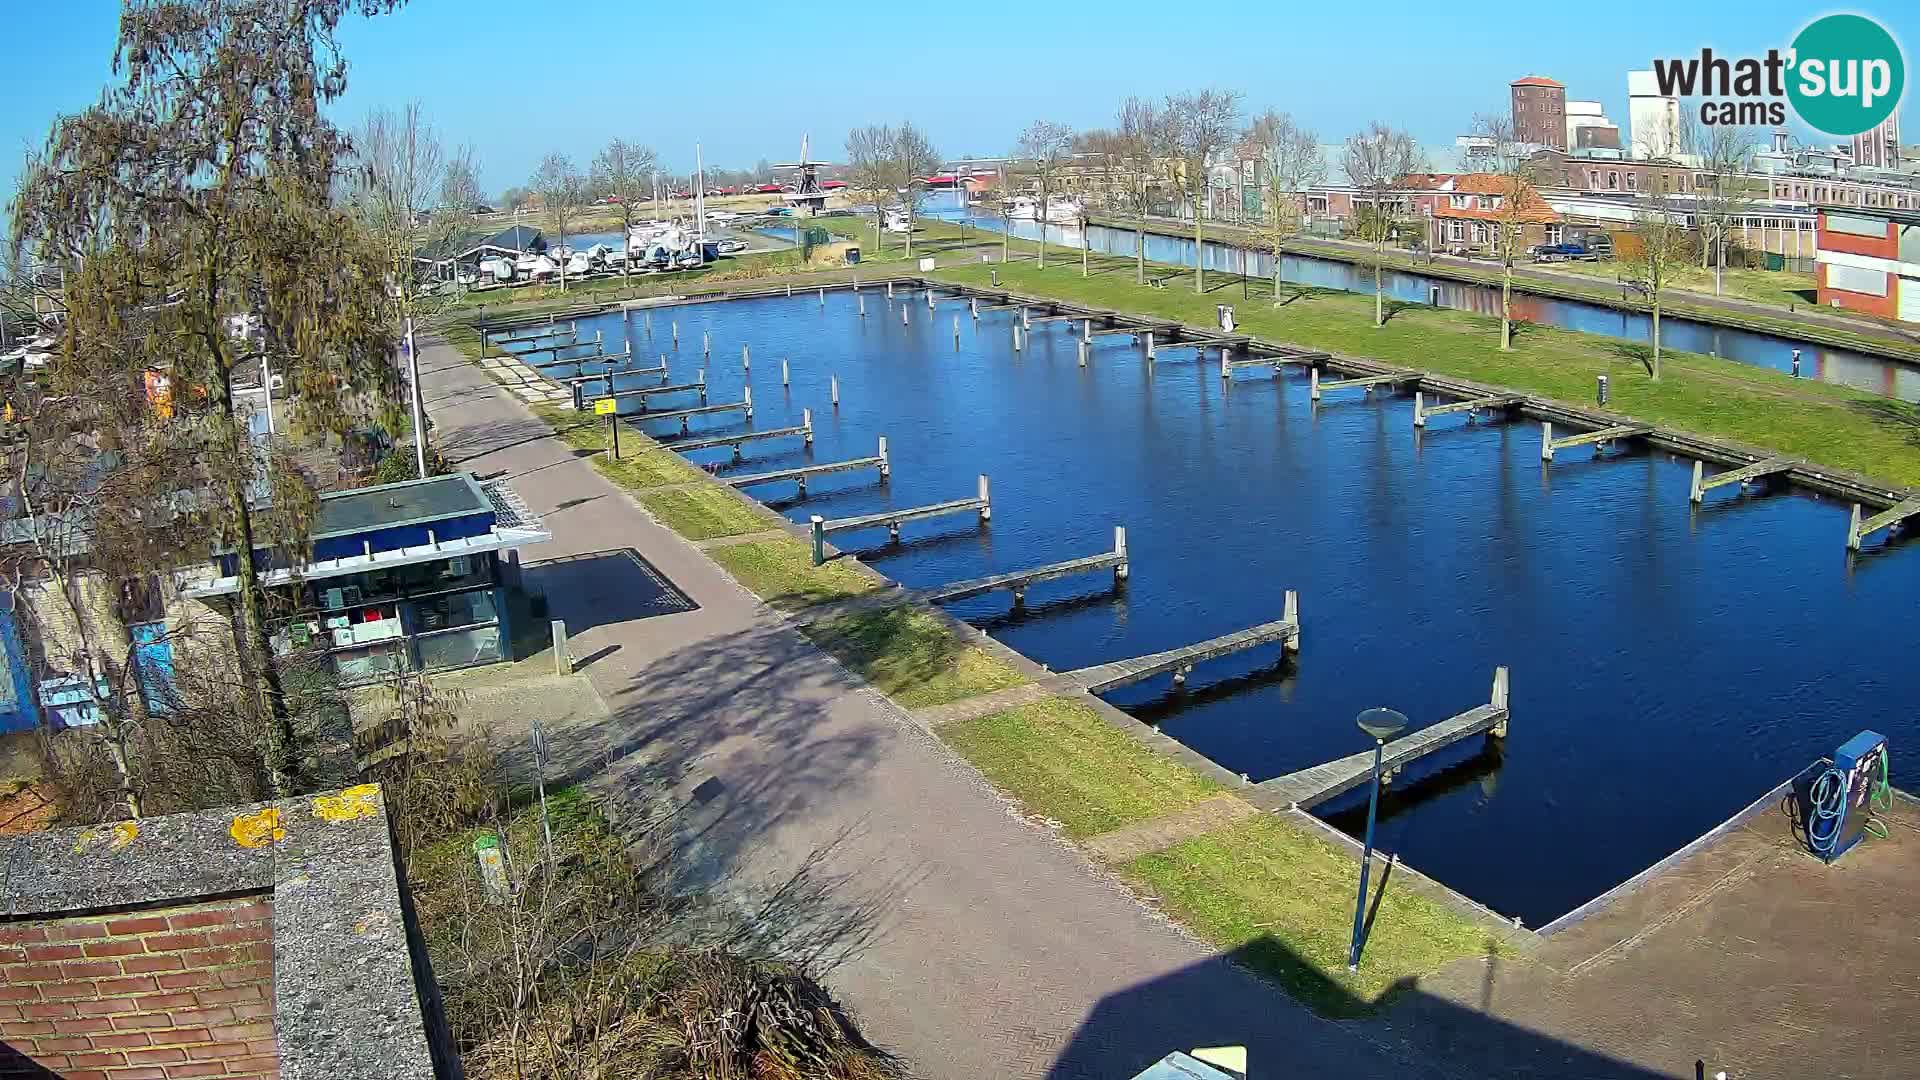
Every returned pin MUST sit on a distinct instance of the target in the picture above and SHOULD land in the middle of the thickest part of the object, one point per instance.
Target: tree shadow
(1406, 1032)
(1389, 308)
(1902, 416)
(1291, 293)
(1633, 352)
(16, 1065)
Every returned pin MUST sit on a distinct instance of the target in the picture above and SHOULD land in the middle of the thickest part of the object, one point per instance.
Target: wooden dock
(1469, 406)
(1018, 580)
(893, 519)
(551, 331)
(683, 415)
(1364, 382)
(1764, 467)
(660, 370)
(562, 361)
(801, 474)
(1275, 360)
(805, 431)
(653, 391)
(524, 353)
(1311, 787)
(1103, 677)
(1858, 530)
(1550, 445)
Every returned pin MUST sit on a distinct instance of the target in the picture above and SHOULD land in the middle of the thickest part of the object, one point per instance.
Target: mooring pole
(1149, 344)
(819, 539)
(903, 314)
(785, 380)
(835, 384)
(746, 358)
(986, 500)
(706, 343)
(806, 424)
(748, 399)
(676, 333)
(1419, 409)
(863, 307)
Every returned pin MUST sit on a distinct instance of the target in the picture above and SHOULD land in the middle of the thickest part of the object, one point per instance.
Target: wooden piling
(1149, 344)
(886, 463)
(746, 358)
(1083, 353)
(986, 506)
(929, 299)
(819, 539)
(1026, 318)
(706, 343)
(676, 333)
(863, 307)
(1420, 420)
(1546, 440)
(1694, 491)
(903, 314)
(806, 421)
(747, 397)
(973, 308)
(1120, 569)
(889, 290)
(835, 384)
(785, 380)
(1313, 384)
(1016, 337)
(1086, 332)
(823, 298)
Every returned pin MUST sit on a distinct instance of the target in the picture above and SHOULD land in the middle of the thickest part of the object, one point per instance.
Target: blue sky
(747, 79)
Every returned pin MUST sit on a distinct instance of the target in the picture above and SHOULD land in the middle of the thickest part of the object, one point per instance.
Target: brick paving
(966, 940)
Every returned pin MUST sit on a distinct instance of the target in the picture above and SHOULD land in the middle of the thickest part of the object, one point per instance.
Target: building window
(1593, 178)
(1458, 202)
(1479, 233)
(1613, 180)
(1456, 232)
(1633, 181)
(459, 648)
(1554, 233)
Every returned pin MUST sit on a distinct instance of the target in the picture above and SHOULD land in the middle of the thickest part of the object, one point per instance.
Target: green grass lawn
(1282, 899)
(781, 572)
(705, 512)
(1829, 424)
(908, 654)
(1778, 287)
(1063, 762)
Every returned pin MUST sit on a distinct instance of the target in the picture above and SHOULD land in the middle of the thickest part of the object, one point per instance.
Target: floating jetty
(1103, 677)
(893, 519)
(659, 369)
(803, 473)
(1017, 581)
(804, 431)
(1858, 530)
(1764, 467)
(1311, 787)
(601, 358)
(1550, 446)
(643, 394)
(683, 415)
(1363, 382)
(1483, 403)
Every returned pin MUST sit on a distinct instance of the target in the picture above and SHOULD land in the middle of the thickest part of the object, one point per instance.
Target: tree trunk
(1506, 307)
(1656, 336)
(1043, 227)
(907, 211)
(1086, 241)
(256, 654)
(413, 402)
(1199, 251)
(1140, 247)
(1379, 306)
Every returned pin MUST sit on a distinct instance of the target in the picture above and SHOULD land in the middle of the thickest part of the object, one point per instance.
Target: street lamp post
(1381, 724)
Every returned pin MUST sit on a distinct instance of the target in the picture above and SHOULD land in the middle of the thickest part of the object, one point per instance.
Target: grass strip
(911, 656)
(781, 572)
(704, 513)
(1281, 901)
(1065, 763)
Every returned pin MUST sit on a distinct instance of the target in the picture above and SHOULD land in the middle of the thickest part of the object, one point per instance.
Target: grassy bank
(1824, 423)
(909, 654)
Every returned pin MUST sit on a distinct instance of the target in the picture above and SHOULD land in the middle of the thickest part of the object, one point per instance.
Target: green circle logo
(1847, 74)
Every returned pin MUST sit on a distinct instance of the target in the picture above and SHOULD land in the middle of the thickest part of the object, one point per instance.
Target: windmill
(806, 186)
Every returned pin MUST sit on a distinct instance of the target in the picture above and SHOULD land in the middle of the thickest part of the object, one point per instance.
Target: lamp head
(1382, 724)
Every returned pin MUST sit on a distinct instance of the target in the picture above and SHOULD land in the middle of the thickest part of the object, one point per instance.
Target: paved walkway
(964, 939)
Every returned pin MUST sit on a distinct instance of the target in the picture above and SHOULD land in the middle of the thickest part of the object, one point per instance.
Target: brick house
(1471, 212)
(1869, 261)
(1539, 111)
(1555, 170)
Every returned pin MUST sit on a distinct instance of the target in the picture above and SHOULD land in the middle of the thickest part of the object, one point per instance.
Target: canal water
(1890, 378)
(1669, 664)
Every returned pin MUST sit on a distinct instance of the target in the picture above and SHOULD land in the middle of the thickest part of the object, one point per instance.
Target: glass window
(459, 648)
(453, 609)
(370, 663)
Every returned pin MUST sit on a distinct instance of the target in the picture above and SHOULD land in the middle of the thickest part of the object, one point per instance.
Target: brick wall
(157, 994)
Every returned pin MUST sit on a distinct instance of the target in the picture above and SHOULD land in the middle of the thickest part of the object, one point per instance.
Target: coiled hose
(1829, 798)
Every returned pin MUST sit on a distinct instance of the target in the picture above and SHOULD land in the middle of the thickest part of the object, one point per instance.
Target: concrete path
(964, 939)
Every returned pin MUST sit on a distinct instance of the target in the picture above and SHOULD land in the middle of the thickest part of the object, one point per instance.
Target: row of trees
(883, 164)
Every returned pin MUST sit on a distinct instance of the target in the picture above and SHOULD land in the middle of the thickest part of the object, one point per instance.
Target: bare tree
(1288, 160)
(1511, 160)
(1145, 146)
(563, 194)
(460, 182)
(1726, 156)
(623, 171)
(1375, 160)
(394, 190)
(869, 169)
(913, 160)
(1202, 124)
(198, 191)
(1661, 247)
(1044, 147)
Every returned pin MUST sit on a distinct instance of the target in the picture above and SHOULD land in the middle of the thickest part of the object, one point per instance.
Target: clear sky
(746, 79)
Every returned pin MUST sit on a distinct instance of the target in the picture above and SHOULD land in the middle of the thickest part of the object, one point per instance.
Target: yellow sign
(604, 407)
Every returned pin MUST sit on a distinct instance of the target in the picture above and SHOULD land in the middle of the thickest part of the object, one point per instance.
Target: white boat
(497, 267)
(615, 256)
(1023, 208)
(580, 263)
(897, 221)
(535, 267)
(1064, 209)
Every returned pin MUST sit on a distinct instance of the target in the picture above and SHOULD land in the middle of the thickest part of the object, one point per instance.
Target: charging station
(1838, 796)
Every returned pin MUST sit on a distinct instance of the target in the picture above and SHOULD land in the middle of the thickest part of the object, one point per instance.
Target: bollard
(746, 358)
(806, 426)
(986, 503)
(836, 391)
(886, 463)
(1120, 549)
(1419, 409)
(747, 399)
(819, 539)
(785, 380)
(1796, 363)
(1600, 390)
(562, 663)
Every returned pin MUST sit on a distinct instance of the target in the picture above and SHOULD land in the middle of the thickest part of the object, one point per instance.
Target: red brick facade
(159, 994)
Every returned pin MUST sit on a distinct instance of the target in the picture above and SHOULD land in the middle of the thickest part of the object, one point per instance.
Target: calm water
(1669, 665)
(1874, 374)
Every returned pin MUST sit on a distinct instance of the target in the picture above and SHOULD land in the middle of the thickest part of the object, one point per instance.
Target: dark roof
(410, 501)
(469, 241)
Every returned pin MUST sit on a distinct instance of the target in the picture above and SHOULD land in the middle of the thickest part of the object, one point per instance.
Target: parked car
(1560, 252)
